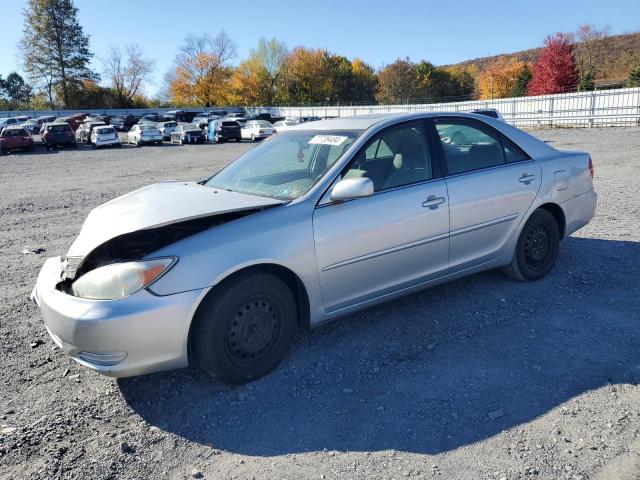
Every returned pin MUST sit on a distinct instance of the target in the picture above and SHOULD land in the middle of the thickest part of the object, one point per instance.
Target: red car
(15, 138)
(74, 120)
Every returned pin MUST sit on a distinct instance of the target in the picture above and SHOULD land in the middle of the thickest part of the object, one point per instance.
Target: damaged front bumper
(139, 334)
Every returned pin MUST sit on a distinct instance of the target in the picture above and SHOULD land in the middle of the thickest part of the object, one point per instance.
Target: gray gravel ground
(482, 378)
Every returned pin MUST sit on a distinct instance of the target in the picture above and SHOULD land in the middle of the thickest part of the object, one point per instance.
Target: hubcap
(252, 330)
(536, 245)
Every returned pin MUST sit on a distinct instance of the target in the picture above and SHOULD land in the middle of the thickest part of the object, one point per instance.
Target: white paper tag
(327, 140)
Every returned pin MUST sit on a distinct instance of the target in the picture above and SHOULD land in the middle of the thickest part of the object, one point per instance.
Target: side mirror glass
(351, 188)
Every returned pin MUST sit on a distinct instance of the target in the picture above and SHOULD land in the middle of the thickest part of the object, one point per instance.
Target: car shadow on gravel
(428, 373)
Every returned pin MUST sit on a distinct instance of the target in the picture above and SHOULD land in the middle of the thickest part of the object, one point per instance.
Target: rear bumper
(104, 143)
(579, 211)
(138, 334)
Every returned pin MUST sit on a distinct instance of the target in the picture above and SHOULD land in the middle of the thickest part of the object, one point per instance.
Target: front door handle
(432, 202)
(527, 179)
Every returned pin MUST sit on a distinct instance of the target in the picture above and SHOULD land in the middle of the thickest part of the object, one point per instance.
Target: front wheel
(238, 139)
(244, 328)
(537, 248)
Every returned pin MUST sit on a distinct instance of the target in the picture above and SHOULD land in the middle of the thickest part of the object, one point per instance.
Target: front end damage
(136, 332)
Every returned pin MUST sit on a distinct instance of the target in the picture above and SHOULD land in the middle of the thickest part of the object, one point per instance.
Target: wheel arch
(557, 212)
(290, 278)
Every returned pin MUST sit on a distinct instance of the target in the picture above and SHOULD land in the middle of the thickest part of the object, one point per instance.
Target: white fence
(619, 107)
(582, 109)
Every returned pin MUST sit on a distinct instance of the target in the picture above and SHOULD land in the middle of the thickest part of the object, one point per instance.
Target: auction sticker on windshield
(327, 140)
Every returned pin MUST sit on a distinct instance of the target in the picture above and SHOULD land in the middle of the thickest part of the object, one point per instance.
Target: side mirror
(351, 188)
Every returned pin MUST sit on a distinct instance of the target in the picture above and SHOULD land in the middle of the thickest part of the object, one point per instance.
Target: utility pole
(491, 87)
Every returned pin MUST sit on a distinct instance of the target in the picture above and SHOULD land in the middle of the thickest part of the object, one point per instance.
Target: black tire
(537, 248)
(244, 328)
(238, 139)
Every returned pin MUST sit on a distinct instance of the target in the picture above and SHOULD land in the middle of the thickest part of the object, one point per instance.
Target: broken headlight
(119, 280)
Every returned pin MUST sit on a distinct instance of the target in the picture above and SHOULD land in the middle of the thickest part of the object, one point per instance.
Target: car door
(394, 239)
(491, 185)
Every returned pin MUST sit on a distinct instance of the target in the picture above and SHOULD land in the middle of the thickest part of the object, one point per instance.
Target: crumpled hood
(158, 205)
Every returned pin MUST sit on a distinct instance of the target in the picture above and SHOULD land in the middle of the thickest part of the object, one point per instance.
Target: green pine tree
(587, 82)
(54, 47)
(634, 77)
(521, 86)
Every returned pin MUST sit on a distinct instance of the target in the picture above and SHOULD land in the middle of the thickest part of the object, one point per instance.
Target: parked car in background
(189, 133)
(46, 119)
(489, 112)
(217, 113)
(15, 137)
(166, 128)
(256, 130)
(284, 125)
(144, 133)
(123, 123)
(83, 133)
(7, 122)
(316, 223)
(32, 126)
(201, 121)
(173, 115)
(149, 118)
(264, 116)
(227, 130)
(105, 136)
(99, 117)
(236, 117)
(58, 134)
(75, 120)
(23, 118)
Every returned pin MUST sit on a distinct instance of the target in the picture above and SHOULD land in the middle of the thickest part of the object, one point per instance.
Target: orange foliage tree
(499, 79)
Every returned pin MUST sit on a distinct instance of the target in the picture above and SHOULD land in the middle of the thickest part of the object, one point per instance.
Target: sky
(376, 31)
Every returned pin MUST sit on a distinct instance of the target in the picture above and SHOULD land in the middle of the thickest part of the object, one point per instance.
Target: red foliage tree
(556, 70)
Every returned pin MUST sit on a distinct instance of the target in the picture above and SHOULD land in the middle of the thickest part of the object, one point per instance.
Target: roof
(363, 122)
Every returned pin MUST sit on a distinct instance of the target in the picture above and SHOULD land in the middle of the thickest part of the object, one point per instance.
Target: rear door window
(469, 145)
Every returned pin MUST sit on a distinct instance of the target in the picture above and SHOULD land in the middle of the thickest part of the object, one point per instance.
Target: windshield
(14, 132)
(287, 165)
(62, 127)
(148, 126)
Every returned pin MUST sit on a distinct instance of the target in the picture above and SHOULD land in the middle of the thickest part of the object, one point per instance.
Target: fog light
(106, 359)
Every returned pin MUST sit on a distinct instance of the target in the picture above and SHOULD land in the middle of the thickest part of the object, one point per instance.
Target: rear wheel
(238, 139)
(537, 248)
(244, 328)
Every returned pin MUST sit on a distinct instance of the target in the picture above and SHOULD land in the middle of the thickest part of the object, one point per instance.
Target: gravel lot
(482, 378)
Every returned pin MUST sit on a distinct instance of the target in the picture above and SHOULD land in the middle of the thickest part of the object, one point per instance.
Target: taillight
(591, 167)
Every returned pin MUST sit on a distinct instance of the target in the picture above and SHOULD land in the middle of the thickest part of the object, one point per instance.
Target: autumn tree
(256, 80)
(587, 38)
(499, 80)
(397, 82)
(306, 80)
(55, 49)
(462, 80)
(365, 81)
(202, 71)
(555, 71)
(127, 73)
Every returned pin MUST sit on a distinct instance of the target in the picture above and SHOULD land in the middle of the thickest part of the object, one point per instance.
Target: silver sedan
(317, 222)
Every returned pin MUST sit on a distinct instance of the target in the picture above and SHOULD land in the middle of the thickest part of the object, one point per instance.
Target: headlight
(120, 280)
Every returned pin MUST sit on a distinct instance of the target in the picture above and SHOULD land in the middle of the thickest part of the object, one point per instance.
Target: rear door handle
(432, 202)
(527, 179)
